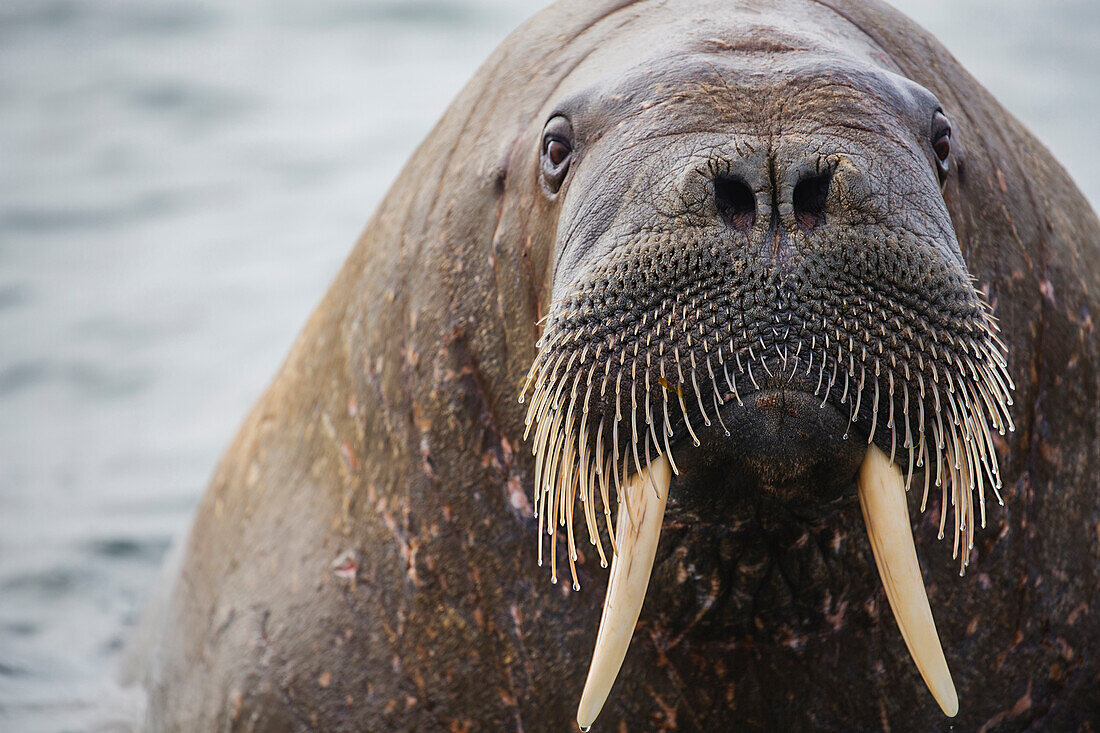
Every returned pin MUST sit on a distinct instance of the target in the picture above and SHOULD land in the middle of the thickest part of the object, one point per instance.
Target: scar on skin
(671, 388)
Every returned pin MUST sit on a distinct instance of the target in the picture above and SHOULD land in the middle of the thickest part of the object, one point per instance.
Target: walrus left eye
(557, 151)
(941, 143)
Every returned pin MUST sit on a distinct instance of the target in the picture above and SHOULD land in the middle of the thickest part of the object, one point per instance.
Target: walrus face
(758, 290)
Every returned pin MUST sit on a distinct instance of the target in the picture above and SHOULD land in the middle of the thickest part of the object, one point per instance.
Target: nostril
(735, 201)
(810, 196)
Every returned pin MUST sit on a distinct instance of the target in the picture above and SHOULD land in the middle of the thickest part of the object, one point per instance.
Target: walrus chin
(661, 343)
(882, 498)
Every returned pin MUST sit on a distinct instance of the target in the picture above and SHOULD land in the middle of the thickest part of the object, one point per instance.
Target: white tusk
(883, 500)
(636, 542)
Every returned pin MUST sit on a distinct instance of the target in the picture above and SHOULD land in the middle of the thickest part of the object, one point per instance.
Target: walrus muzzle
(755, 297)
(574, 462)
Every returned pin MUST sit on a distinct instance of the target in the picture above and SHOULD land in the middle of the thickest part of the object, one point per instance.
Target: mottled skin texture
(390, 445)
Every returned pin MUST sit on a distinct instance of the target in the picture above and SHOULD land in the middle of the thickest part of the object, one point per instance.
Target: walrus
(737, 308)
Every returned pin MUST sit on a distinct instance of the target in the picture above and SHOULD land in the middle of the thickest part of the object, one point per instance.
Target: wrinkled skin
(365, 556)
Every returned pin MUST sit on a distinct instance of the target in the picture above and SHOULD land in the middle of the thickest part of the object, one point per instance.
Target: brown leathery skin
(364, 558)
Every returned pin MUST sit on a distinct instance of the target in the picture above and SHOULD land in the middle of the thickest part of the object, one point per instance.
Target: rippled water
(179, 180)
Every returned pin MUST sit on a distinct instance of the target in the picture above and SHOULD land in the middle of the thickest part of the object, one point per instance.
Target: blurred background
(179, 181)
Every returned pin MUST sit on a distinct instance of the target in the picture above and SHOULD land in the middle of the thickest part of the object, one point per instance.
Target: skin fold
(365, 556)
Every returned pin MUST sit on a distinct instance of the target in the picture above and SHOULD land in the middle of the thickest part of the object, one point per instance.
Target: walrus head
(758, 300)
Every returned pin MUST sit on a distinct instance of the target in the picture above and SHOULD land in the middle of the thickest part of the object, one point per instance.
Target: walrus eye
(941, 143)
(557, 151)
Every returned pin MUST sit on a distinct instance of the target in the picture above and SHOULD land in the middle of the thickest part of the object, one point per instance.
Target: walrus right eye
(941, 143)
(557, 151)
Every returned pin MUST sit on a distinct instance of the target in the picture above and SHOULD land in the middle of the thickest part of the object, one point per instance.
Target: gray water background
(179, 181)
